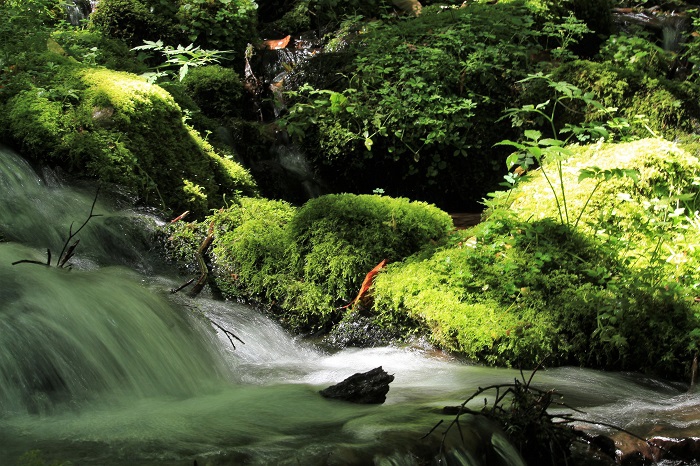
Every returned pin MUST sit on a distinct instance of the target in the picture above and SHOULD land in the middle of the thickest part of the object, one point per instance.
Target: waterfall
(78, 10)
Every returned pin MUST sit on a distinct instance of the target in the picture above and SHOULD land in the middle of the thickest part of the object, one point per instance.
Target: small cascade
(100, 365)
(71, 335)
(78, 10)
(670, 26)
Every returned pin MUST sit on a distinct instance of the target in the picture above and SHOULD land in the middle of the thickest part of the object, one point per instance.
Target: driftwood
(542, 438)
(203, 269)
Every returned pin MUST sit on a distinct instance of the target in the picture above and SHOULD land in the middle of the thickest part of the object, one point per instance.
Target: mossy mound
(311, 260)
(614, 292)
(121, 129)
(670, 108)
(216, 90)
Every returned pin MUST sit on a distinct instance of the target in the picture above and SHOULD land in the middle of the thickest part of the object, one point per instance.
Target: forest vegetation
(574, 129)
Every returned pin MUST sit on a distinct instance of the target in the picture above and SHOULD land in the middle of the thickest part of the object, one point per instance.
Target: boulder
(365, 388)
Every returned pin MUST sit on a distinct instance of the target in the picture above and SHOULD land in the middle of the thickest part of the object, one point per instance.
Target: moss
(35, 120)
(310, 260)
(671, 107)
(94, 48)
(121, 129)
(341, 237)
(216, 90)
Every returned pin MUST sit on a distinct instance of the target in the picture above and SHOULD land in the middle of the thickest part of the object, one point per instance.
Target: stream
(101, 365)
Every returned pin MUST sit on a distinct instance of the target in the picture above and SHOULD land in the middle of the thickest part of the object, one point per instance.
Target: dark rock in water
(365, 388)
(674, 450)
(361, 332)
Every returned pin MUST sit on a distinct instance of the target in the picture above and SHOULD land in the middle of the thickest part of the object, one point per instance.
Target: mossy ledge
(519, 288)
(119, 128)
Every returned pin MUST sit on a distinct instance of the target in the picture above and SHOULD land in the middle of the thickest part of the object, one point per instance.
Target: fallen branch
(228, 333)
(531, 429)
(68, 251)
(203, 269)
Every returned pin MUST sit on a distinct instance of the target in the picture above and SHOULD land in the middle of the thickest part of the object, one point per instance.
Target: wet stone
(364, 388)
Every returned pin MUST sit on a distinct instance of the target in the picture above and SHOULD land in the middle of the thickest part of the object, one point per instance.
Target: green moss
(671, 107)
(94, 48)
(35, 119)
(310, 260)
(341, 237)
(121, 129)
(216, 90)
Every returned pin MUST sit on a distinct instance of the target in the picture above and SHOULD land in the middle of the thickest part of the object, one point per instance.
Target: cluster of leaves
(210, 24)
(179, 58)
(218, 24)
(666, 107)
(413, 89)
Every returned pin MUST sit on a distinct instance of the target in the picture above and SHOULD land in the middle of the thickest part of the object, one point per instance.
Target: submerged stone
(364, 387)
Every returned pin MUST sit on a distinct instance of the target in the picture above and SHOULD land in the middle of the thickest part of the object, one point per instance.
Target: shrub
(218, 24)
(406, 118)
(133, 21)
(216, 90)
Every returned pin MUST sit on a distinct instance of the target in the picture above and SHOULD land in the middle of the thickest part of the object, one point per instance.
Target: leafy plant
(180, 58)
(534, 149)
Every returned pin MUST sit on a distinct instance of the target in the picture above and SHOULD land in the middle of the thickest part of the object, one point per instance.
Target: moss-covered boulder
(117, 127)
(309, 261)
(670, 108)
(216, 90)
(615, 289)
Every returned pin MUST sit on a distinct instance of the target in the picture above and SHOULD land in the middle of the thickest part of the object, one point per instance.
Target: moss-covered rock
(216, 90)
(615, 291)
(121, 129)
(311, 260)
(671, 108)
(94, 48)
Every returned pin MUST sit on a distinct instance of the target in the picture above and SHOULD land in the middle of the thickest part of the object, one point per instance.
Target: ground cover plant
(418, 99)
(309, 261)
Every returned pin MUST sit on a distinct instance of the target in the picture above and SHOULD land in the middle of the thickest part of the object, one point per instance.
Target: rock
(638, 453)
(364, 388)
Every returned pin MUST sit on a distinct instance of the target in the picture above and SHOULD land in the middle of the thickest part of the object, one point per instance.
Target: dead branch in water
(203, 269)
(68, 251)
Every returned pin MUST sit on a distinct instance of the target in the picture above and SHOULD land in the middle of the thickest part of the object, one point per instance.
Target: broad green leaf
(532, 134)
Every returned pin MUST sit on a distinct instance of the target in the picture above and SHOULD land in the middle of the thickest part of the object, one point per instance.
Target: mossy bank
(121, 129)
(616, 292)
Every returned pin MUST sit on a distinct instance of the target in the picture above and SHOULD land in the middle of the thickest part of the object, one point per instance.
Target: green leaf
(368, 143)
(512, 160)
(183, 71)
(532, 134)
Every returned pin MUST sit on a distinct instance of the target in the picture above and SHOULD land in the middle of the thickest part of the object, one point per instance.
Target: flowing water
(100, 364)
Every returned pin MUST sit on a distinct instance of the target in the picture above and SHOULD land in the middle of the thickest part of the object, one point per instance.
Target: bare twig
(228, 333)
(62, 260)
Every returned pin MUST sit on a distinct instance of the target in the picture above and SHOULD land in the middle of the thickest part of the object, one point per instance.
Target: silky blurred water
(100, 364)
